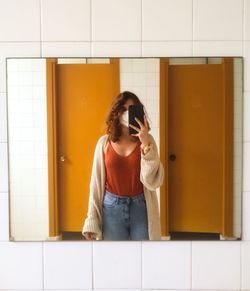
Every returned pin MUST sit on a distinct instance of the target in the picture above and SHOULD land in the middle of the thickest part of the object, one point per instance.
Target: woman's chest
(122, 149)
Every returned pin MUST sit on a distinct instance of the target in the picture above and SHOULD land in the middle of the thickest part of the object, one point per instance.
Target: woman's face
(129, 102)
(124, 115)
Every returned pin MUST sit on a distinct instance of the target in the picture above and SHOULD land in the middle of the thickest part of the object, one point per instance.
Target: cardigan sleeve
(92, 222)
(152, 171)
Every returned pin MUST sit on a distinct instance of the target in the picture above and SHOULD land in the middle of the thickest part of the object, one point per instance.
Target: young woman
(126, 172)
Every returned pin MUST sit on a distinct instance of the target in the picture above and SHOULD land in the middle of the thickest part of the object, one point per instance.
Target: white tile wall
(3, 167)
(246, 166)
(217, 48)
(246, 216)
(65, 49)
(167, 48)
(116, 49)
(67, 265)
(216, 265)
(58, 23)
(4, 217)
(246, 54)
(246, 30)
(245, 264)
(21, 265)
(20, 20)
(15, 49)
(217, 20)
(27, 137)
(125, 28)
(121, 262)
(161, 15)
(116, 20)
(3, 118)
(246, 108)
(166, 265)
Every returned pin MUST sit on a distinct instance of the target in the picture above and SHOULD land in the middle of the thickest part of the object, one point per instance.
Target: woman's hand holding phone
(142, 131)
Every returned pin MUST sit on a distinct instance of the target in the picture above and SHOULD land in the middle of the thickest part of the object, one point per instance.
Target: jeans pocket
(109, 201)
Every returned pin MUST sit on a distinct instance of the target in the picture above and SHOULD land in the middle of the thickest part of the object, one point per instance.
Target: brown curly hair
(114, 127)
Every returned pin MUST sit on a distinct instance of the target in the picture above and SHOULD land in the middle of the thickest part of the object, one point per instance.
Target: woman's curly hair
(114, 127)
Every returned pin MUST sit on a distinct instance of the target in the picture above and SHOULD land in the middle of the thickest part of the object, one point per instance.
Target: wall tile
(166, 20)
(246, 216)
(66, 49)
(167, 49)
(245, 265)
(123, 289)
(21, 265)
(19, 20)
(15, 49)
(67, 20)
(115, 26)
(216, 265)
(246, 108)
(122, 262)
(3, 118)
(116, 20)
(246, 65)
(246, 166)
(116, 49)
(67, 265)
(246, 28)
(4, 217)
(3, 167)
(217, 48)
(217, 19)
(166, 265)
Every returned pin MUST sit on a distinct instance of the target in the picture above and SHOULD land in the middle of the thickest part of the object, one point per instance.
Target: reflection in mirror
(57, 111)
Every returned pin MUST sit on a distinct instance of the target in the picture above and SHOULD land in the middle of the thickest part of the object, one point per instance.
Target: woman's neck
(126, 136)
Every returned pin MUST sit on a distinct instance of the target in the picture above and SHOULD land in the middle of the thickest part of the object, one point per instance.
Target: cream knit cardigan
(151, 175)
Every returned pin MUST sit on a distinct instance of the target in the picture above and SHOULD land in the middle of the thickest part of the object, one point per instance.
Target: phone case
(135, 111)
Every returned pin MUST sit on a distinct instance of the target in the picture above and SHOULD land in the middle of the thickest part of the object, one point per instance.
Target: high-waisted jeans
(124, 217)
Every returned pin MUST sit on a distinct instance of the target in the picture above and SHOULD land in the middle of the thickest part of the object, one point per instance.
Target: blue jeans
(124, 217)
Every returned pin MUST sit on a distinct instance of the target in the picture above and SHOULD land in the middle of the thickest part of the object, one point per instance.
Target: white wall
(27, 149)
(85, 28)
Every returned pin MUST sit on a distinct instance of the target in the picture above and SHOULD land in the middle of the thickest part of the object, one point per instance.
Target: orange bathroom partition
(79, 97)
(197, 127)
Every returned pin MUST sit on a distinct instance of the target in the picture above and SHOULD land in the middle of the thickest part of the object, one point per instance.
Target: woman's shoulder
(101, 140)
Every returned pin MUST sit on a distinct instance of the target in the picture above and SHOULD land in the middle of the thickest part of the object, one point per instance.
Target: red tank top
(123, 173)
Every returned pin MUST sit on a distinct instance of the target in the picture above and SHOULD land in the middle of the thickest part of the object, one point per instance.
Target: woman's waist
(128, 196)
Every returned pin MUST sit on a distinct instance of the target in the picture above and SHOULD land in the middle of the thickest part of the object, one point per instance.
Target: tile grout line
(122, 41)
(240, 265)
(91, 29)
(243, 30)
(242, 121)
(193, 28)
(191, 266)
(40, 14)
(92, 265)
(243, 24)
(141, 26)
(43, 264)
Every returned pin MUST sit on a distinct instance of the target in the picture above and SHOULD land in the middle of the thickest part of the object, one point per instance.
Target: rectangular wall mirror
(57, 110)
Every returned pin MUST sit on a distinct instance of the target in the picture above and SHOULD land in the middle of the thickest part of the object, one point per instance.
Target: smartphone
(135, 111)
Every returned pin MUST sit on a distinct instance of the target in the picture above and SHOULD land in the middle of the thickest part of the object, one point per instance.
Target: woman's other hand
(89, 235)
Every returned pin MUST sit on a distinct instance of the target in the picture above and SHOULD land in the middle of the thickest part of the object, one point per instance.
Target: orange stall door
(199, 152)
(84, 93)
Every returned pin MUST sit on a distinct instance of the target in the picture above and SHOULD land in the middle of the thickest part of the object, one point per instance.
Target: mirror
(57, 111)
